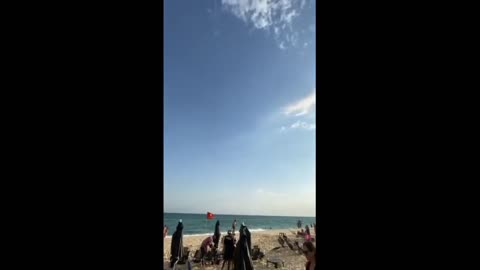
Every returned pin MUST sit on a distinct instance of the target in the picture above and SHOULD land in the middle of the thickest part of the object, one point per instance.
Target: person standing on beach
(307, 233)
(234, 224)
(309, 251)
(165, 231)
(228, 249)
(299, 224)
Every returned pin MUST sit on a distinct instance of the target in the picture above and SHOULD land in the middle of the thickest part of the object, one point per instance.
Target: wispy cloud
(302, 106)
(270, 193)
(303, 125)
(276, 15)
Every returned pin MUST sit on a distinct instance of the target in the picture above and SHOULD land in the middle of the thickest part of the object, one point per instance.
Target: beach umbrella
(176, 248)
(241, 258)
(247, 234)
(217, 234)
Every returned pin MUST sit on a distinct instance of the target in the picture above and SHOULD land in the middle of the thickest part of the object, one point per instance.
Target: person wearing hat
(228, 249)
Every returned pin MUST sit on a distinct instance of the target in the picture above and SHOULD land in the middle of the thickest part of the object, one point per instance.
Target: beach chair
(196, 257)
(217, 256)
(257, 254)
(275, 261)
(209, 257)
(285, 238)
(184, 259)
(281, 241)
(298, 247)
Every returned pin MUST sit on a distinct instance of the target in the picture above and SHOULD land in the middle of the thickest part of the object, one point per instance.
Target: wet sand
(266, 240)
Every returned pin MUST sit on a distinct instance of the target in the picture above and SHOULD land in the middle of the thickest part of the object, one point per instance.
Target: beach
(266, 240)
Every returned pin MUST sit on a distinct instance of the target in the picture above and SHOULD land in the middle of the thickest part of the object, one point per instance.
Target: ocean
(197, 224)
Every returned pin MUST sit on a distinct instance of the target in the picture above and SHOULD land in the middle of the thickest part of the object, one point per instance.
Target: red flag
(210, 215)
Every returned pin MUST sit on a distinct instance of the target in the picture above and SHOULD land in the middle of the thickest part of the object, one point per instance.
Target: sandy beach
(266, 240)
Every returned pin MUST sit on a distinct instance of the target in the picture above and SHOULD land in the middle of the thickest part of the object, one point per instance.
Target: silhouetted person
(309, 251)
(228, 249)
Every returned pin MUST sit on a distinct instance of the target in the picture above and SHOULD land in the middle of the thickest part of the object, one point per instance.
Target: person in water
(234, 224)
(310, 252)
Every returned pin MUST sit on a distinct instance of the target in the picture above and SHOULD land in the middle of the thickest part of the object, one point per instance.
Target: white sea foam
(210, 234)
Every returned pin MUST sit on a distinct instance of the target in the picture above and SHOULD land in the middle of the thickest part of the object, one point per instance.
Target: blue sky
(239, 107)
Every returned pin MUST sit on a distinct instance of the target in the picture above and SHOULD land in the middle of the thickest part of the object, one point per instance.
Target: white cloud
(302, 106)
(268, 14)
(270, 193)
(304, 125)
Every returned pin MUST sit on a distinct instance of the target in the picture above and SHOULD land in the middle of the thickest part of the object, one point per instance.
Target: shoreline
(223, 233)
(171, 231)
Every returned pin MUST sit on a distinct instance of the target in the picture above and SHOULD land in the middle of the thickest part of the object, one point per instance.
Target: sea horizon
(239, 215)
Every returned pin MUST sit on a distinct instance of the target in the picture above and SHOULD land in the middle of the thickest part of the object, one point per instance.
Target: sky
(239, 107)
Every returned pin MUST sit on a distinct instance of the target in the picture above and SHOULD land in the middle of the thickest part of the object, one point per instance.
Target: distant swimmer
(234, 224)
